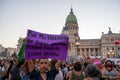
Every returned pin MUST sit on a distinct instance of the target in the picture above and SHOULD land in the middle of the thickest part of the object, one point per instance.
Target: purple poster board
(40, 45)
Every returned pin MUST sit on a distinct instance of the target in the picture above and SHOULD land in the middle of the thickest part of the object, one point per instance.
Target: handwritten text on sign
(41, 45)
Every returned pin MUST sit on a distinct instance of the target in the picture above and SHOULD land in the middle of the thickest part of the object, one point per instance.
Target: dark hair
(77, 66)
(85, 64)
(110, 62)
(52, 63)
(92, 70)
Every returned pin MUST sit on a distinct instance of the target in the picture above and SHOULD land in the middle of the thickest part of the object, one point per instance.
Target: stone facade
(7, 51)
(103, 47)
(2, 49)
(10, 51)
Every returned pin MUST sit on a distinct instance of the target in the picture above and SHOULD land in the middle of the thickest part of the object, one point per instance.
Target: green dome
(71, 18)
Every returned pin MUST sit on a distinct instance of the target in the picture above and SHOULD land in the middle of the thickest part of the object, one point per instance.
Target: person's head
(25, 67)
(92, 70)
(77, 66)
(52, 63)
(15, 61)
(43, 65)
(117, 67)
(109, 65)
(85, 64)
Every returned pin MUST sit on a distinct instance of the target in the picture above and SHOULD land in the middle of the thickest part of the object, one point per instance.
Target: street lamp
(77, 44)
(111, 54)
(116, 42)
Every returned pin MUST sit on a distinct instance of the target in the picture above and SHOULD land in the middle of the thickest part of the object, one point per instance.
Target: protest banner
(40, 45)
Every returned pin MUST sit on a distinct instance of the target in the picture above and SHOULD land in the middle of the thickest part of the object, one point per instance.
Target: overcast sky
(49, 16)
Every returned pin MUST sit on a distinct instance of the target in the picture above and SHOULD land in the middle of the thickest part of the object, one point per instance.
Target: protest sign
(40, 45)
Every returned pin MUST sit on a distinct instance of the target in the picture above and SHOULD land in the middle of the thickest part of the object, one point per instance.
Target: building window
(90, 43)
(76, 28)
(96, 49)
(112, 40)
(118, 48)
(91, 49)
(107, 48)
(82, 49)
(112, 48)
(87, 49)
(73, 28)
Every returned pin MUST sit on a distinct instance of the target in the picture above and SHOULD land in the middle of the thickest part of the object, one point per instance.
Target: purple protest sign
(40, 45)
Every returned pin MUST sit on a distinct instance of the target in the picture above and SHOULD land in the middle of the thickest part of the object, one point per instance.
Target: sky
(49, 16)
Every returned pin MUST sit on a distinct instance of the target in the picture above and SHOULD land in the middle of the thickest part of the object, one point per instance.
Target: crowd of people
(45, 69)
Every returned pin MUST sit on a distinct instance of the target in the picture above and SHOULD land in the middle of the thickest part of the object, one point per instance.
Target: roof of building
(71, 18)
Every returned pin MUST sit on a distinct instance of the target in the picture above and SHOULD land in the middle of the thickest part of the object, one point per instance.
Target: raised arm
(30, 65)
(117, 74)
(103, 74)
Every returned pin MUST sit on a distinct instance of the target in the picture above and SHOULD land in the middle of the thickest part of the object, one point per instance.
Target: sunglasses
(110, 65)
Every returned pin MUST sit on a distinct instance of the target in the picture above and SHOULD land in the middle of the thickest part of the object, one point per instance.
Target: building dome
(71, 18)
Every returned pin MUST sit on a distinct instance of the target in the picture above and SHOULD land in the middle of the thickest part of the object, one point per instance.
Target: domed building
(103, 47)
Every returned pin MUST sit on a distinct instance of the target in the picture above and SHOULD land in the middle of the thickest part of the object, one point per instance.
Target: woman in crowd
(24, 71)
(44, 73)
(109, 72)
(59, 76)
(64, 70)
(76, 73)
(3, 69)
(84, 67)
(9, 68)
(92, 72)
(117, 68)
(14, 73)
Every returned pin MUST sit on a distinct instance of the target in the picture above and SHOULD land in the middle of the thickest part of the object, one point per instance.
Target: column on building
(99, 53)
(94, 52)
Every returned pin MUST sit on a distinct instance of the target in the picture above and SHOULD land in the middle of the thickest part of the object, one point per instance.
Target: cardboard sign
(39, 45)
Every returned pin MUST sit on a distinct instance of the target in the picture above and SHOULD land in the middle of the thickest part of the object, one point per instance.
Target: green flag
(21, 52)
